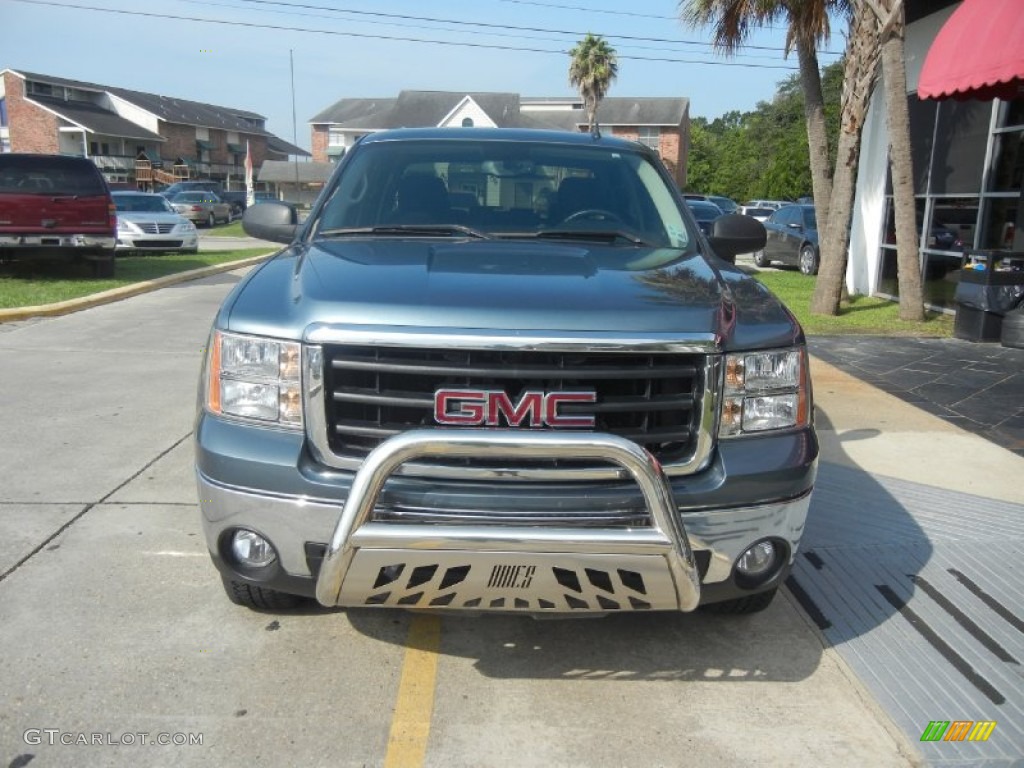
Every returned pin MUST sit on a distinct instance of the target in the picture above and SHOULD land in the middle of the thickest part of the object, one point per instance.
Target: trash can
(991, 284)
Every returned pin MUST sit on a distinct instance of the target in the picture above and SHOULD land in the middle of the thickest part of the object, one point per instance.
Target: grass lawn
(234, 229)
(24, 285)
(860, 315)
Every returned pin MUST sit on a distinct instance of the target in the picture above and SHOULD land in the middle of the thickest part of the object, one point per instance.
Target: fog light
(252, 550)
(757, 560)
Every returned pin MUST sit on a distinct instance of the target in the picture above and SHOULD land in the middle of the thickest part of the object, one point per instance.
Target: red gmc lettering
(467, 407)
(468, 412)
(555, 399)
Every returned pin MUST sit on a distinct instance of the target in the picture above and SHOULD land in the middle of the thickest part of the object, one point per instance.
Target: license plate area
(508, 581)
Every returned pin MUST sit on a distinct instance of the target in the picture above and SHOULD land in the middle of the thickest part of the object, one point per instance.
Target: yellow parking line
(410, 725)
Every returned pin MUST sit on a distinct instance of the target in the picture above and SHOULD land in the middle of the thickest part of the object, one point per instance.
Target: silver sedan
(202, 207)
(147, 222)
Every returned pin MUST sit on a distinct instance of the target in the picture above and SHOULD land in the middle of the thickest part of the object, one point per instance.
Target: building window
(649, 136)
(3, 112)
(39, 89)
(467, 122)
(335, 138)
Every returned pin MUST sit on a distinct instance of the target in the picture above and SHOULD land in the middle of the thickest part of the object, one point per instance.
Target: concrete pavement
(115, 621)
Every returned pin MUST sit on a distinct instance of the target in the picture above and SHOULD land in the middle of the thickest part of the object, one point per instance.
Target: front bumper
(170, 242)
(331, 548)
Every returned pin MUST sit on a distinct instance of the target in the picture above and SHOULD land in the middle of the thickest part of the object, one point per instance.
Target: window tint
(505, 188)
(45, 174)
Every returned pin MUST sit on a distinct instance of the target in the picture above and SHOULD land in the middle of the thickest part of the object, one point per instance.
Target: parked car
(705, 213)
(727, 204)
(792, 239)
(190, 186)
(235, 198)
(761, 214)
(56, 207)
(202, 207)
(147, 222)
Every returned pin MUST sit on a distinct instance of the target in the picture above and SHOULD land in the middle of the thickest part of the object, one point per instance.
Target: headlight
(127, 227)
(765, 391)
(185, 226)
(254, 378)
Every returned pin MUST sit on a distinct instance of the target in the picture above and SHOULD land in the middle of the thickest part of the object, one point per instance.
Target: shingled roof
(428, 108)
(96, 119)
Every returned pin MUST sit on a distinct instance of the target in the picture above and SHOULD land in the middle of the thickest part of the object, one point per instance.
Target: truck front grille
(373, 393)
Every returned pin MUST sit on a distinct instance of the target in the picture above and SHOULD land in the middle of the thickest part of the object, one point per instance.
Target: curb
(124, 292)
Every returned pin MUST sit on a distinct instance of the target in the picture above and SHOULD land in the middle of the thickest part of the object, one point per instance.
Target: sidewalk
(910, 562)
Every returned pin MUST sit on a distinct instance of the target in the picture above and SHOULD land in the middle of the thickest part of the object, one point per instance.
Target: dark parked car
(56, 207)
(727, 204)
(705, 213)
(792, 239)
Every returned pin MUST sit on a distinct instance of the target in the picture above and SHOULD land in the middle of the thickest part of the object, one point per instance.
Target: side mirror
(735, 233)
(276, 222)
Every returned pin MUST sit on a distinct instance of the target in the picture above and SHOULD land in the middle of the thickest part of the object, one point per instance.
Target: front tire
(743, 605)
(211, 220)
(808, 260)
(760, 259)
(103, 267)
(259, 598)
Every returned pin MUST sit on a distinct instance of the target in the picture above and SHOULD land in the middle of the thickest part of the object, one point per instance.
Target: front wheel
(808, 260)
(760, 259)
(253, 596)
(741, 605)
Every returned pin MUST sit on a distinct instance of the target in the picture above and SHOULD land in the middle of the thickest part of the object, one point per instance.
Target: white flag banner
(250, 194)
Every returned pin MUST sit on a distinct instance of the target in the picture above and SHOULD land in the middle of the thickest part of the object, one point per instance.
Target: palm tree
(859, 72)
(732, 22)
(876, 33)
(894, 74)
(593, 68)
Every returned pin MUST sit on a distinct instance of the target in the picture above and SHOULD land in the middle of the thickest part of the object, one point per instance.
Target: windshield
(141, 204)
(504, 189)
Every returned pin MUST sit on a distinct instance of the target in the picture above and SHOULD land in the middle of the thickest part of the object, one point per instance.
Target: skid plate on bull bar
(509, 567)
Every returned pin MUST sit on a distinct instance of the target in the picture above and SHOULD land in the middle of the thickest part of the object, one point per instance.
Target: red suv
(56, 207)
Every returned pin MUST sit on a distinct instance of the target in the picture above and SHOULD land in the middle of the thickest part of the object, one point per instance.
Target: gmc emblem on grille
(492, 408)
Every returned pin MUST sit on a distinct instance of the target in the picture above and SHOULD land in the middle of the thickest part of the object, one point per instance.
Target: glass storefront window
(960, 141)
(958, 215)
(998, 224)
(1008, 170)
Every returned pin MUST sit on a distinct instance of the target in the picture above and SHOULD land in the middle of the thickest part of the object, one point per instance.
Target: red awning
(978, 53)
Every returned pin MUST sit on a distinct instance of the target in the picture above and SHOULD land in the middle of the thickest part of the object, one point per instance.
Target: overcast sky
(350, 48)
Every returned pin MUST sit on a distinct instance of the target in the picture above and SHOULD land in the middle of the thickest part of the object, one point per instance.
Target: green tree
(592, 69)
(807, 23)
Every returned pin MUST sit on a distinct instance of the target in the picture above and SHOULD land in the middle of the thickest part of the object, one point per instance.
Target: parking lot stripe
(410, 725)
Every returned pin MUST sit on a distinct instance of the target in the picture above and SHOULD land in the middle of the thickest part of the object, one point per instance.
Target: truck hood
(509, 286)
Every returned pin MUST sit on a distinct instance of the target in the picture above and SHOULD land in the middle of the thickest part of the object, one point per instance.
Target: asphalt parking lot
(116, 628)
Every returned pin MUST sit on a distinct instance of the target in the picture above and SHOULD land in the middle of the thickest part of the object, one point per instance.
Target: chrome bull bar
(509, 567)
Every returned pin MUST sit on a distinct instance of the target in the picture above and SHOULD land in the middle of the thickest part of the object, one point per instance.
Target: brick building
(133, 137)
(660, 123)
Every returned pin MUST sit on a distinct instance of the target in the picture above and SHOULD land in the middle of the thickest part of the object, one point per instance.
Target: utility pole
(295, 129)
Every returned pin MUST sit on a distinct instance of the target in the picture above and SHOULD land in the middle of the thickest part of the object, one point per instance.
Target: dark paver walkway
(978, 387)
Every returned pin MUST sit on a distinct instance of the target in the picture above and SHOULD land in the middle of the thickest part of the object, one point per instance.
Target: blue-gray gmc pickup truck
(503, 370)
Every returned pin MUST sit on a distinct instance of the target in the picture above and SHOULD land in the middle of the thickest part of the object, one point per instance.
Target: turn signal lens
(255, 378)
(765, 391)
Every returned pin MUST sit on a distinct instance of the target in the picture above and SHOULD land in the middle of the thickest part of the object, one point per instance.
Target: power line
(620, 46)
(590, 10)
(460, 22)
(394, 38)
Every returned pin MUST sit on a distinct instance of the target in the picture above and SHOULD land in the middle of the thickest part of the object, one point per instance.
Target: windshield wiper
(610, 235)
(414, 230)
